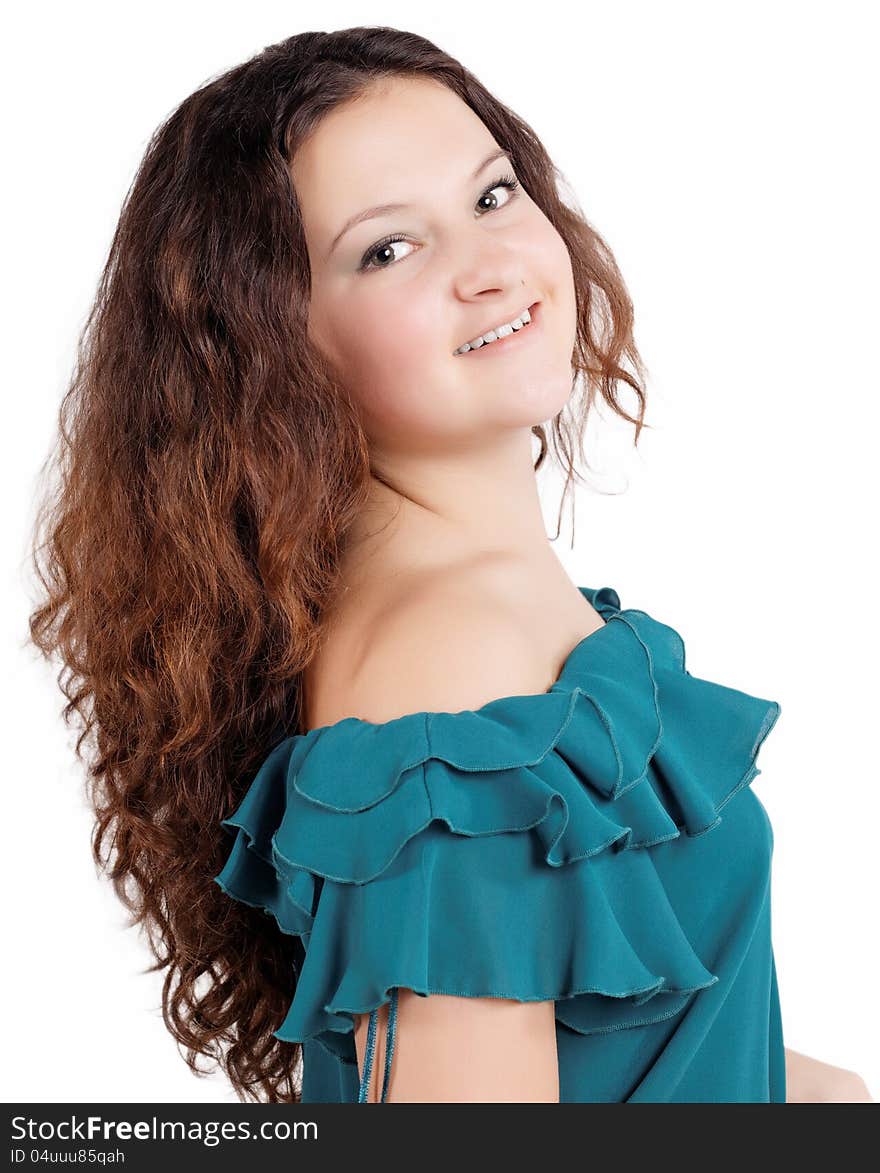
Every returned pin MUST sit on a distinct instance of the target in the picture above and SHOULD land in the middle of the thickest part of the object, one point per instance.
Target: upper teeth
(501, 331)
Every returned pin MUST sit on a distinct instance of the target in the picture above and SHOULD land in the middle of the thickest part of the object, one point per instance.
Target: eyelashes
(365, 265)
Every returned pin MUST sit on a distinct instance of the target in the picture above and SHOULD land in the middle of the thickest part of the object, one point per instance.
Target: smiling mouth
(507, 338)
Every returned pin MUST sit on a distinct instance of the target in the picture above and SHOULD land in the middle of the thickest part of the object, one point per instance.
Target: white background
(725, 153)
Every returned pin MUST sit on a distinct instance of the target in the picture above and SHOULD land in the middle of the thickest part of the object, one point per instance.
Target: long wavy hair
(197, 496)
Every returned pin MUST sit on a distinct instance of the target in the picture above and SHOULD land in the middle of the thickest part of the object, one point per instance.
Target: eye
(504, 181)
(383, 246)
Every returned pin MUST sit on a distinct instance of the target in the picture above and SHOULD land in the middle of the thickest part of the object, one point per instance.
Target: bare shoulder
(446, 645)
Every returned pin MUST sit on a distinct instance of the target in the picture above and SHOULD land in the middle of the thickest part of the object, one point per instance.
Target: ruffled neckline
(625, 751)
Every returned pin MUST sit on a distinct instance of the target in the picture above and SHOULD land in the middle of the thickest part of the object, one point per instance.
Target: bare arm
(465, 1050)
(809, 1081)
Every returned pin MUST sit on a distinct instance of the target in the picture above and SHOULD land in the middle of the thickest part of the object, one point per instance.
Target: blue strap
(371, 1047)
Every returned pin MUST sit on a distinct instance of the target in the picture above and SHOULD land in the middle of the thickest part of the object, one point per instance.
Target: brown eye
(380, 247)
(506, 181)
(383, 247)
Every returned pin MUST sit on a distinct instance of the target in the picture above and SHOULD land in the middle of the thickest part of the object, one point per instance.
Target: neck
(436, 510)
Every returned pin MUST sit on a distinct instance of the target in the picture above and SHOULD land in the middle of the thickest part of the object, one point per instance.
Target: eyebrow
(387, 209)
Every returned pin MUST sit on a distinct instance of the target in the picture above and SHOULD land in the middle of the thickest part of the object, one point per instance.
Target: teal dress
(598, 845)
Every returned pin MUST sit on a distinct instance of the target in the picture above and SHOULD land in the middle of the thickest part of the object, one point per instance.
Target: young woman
(487, 838)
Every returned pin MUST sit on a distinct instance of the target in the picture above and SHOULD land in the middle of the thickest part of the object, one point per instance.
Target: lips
(512, 342)
(498, 322)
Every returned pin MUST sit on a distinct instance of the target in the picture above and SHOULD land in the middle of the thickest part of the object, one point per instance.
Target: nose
(488, 270)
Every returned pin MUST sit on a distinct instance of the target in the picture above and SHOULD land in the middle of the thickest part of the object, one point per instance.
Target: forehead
(391, 144)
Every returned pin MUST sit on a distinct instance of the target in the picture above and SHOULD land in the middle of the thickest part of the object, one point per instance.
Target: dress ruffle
(501, 851)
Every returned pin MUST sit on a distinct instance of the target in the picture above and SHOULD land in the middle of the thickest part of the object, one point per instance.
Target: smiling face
(473, 253)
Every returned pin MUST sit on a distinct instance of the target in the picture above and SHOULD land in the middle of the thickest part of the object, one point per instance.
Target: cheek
(552, 261)
(556, 262)
(390, 352)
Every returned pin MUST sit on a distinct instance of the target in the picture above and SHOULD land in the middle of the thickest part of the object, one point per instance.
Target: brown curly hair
(208, 468)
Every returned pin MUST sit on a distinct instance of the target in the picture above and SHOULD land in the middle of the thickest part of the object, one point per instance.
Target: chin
(537, 404)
